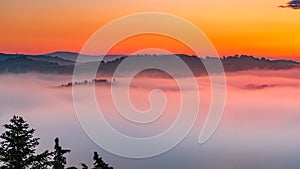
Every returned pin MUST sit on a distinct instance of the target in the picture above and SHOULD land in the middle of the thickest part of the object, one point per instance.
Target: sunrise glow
(254, 27)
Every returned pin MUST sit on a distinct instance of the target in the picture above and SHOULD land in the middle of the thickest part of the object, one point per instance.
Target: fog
(259, 129)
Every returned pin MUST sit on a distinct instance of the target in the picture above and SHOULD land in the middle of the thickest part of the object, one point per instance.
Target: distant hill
(23, 64)
(244, 62)
(64, 64)
(47, 58)
(88, 58)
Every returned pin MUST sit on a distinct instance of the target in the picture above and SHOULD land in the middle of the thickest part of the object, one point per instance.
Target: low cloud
(294, 4)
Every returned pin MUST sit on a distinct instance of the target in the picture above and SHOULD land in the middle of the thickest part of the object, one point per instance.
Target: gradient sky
(254, 27)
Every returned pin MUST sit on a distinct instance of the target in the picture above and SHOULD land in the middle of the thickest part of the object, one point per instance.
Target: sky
(253, 27)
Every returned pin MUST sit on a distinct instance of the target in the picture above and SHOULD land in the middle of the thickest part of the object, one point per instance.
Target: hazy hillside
(88, 58)
(48, 58)
(16, 63)
(23, 64)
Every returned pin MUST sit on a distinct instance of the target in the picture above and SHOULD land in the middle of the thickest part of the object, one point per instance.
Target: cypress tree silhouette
(99, 163)
(59, 158)
(17, 149)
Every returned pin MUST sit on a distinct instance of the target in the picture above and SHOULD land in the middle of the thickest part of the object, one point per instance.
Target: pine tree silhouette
(18, 146)
(99, 163)
(59, 158)
(43, 161)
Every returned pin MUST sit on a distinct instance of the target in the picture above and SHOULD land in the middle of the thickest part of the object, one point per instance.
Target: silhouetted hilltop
(244, 62)
(47, 58)
(88, 58)
(16, 63)
(22, 64)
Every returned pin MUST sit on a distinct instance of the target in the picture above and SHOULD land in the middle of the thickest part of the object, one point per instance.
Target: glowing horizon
(258, 28)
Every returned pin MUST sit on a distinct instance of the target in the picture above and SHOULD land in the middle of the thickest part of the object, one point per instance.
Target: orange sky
(253, 27)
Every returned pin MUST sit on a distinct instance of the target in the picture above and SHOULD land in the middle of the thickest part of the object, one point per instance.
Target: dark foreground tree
(18, 150)
(43, 161)
(18, 146)
(84, 166)
(59, 158)
(99, 163)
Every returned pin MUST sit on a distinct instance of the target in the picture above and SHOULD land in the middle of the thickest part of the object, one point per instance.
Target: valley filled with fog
(259, 129)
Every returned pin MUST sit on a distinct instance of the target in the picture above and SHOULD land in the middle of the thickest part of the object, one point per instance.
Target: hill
(16, 63)
(88, 58)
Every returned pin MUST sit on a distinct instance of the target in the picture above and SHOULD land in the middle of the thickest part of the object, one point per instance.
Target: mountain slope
(53, 64)
(87, 58)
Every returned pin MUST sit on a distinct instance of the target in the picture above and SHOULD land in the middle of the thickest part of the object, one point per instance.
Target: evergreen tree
(18, 146)
(17, 149)
(59, 158)
(43, 161)
(99, 163)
